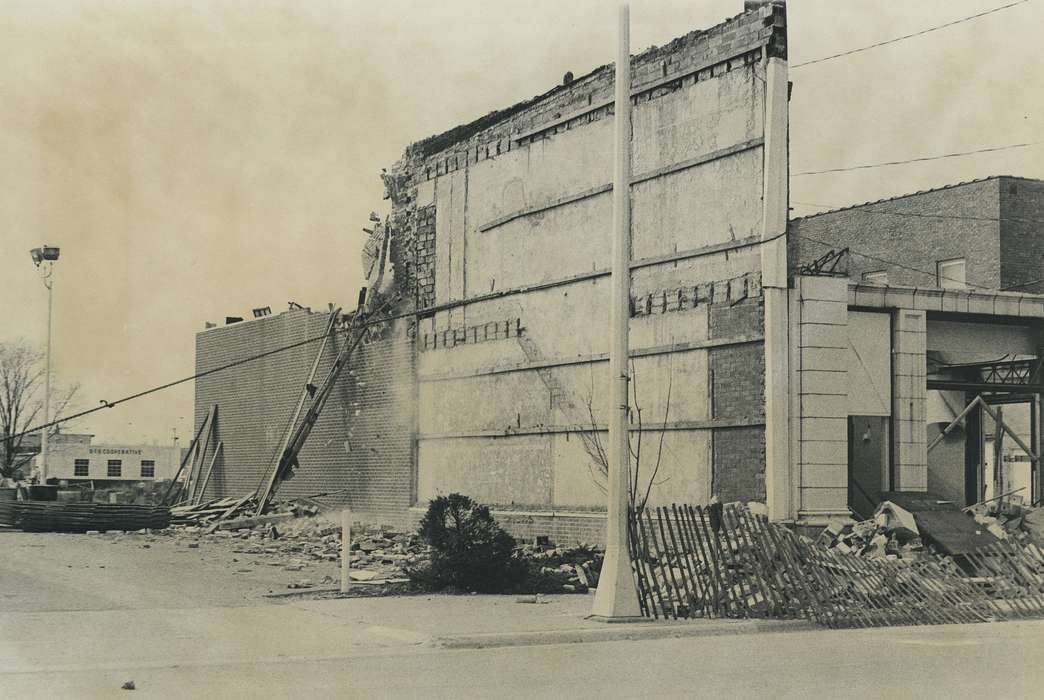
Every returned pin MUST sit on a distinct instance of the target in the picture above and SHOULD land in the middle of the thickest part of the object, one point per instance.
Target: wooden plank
(201, 453)
(292, 423)
(231, 509)
(189, 452)
(210, 470)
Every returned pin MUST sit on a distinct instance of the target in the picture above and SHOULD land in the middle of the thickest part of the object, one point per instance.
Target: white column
(617, 596)
(778, 483)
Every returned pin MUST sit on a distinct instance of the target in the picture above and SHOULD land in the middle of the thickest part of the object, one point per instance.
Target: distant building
(983, 234)
(78, 461)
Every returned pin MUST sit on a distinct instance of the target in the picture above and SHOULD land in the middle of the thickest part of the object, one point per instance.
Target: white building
(82, 462)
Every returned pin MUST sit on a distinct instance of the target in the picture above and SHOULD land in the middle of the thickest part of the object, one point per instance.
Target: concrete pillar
(821, 385)
(774, 281)
(909, 402)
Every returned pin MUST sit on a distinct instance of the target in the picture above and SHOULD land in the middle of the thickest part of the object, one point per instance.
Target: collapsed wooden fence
(691, 562)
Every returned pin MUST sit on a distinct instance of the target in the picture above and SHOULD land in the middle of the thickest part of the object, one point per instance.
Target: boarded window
(950, 274)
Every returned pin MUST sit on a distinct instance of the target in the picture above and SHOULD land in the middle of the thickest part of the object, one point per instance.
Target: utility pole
(617, 597)
(44, 258)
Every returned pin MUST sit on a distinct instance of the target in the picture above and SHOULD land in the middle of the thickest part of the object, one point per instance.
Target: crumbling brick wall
(700, 55)
(363, 441)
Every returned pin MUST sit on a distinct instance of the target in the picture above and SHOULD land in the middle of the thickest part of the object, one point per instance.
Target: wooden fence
(691, 561)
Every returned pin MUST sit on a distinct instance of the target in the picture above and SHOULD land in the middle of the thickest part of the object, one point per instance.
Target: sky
(197, 159)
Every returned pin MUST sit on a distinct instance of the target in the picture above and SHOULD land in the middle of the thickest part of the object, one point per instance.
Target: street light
(44, 258)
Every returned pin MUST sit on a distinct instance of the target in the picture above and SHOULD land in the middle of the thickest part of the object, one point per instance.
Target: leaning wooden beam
(201, 454)
(210, 470)
(184, 460)
(306, 391)
(967, 409)
(1009, 431)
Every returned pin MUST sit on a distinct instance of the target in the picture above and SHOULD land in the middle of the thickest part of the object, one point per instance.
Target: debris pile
(727, 561)
(935, 526)
(561, 569)
(237, 513)
(295, 535)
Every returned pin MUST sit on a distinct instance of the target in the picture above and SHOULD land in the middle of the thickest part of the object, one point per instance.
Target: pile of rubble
(1014, 520)
(936, 527)
(560, 569)
(295, 534)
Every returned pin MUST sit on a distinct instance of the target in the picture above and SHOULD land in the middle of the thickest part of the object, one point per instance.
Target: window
(81, 467)
(876, 277)
(115, 467)
(950, 274)
(148, 468)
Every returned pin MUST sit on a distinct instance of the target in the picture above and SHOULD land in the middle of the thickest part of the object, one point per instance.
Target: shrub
(469, 551)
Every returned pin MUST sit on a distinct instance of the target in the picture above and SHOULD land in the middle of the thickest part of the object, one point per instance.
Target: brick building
(492, 383)
(985, 234)
(753, 379)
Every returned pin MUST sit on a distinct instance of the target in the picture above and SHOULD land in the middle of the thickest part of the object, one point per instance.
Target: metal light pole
(617, 597)
(44, 259)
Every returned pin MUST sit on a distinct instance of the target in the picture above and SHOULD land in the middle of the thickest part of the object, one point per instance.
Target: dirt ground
(133, 570)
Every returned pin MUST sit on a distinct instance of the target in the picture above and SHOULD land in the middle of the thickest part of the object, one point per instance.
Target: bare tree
(21, 402)
(591, 436)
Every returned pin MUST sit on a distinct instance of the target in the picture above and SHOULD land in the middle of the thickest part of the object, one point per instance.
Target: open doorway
(868, 443)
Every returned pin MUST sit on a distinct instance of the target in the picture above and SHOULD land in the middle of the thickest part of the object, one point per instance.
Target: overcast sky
(196, 159)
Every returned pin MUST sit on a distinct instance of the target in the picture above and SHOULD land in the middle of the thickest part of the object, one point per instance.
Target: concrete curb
(620, 632)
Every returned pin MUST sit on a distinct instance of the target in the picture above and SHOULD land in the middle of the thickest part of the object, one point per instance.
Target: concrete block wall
(820, 384)
(364, 438)
(909, 402)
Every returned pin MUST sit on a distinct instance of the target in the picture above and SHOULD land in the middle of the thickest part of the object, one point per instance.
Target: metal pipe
(47, 387)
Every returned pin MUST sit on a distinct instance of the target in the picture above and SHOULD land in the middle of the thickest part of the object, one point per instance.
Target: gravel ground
(57, 571)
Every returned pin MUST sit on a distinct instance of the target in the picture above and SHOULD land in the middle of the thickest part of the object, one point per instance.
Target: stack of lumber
(236, 512)
(213, 511)
(56, 516)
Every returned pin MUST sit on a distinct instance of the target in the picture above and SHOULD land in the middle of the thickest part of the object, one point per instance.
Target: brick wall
(1022, 234)
(364, 438)
(739, 464)
(916, 230)
(738, 391)
(424, 252)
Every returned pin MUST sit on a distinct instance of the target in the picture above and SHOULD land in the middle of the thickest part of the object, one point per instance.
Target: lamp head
(44, 253)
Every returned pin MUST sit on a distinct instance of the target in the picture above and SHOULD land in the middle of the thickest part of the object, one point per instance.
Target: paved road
(186, 626)
(1000, 660)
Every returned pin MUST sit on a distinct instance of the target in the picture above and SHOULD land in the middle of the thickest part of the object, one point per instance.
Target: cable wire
(935, 274)
(907, 36)
(921, 159)
(213, 370)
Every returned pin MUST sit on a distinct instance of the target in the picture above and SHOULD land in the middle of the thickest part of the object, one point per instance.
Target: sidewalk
(311, 630)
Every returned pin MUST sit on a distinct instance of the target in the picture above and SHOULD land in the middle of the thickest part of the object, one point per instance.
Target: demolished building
(758, 369)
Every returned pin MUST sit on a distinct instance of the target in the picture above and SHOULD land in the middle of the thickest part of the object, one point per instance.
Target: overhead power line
(895, 263)
(908, 36)
(214, 370)
(921, 159)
